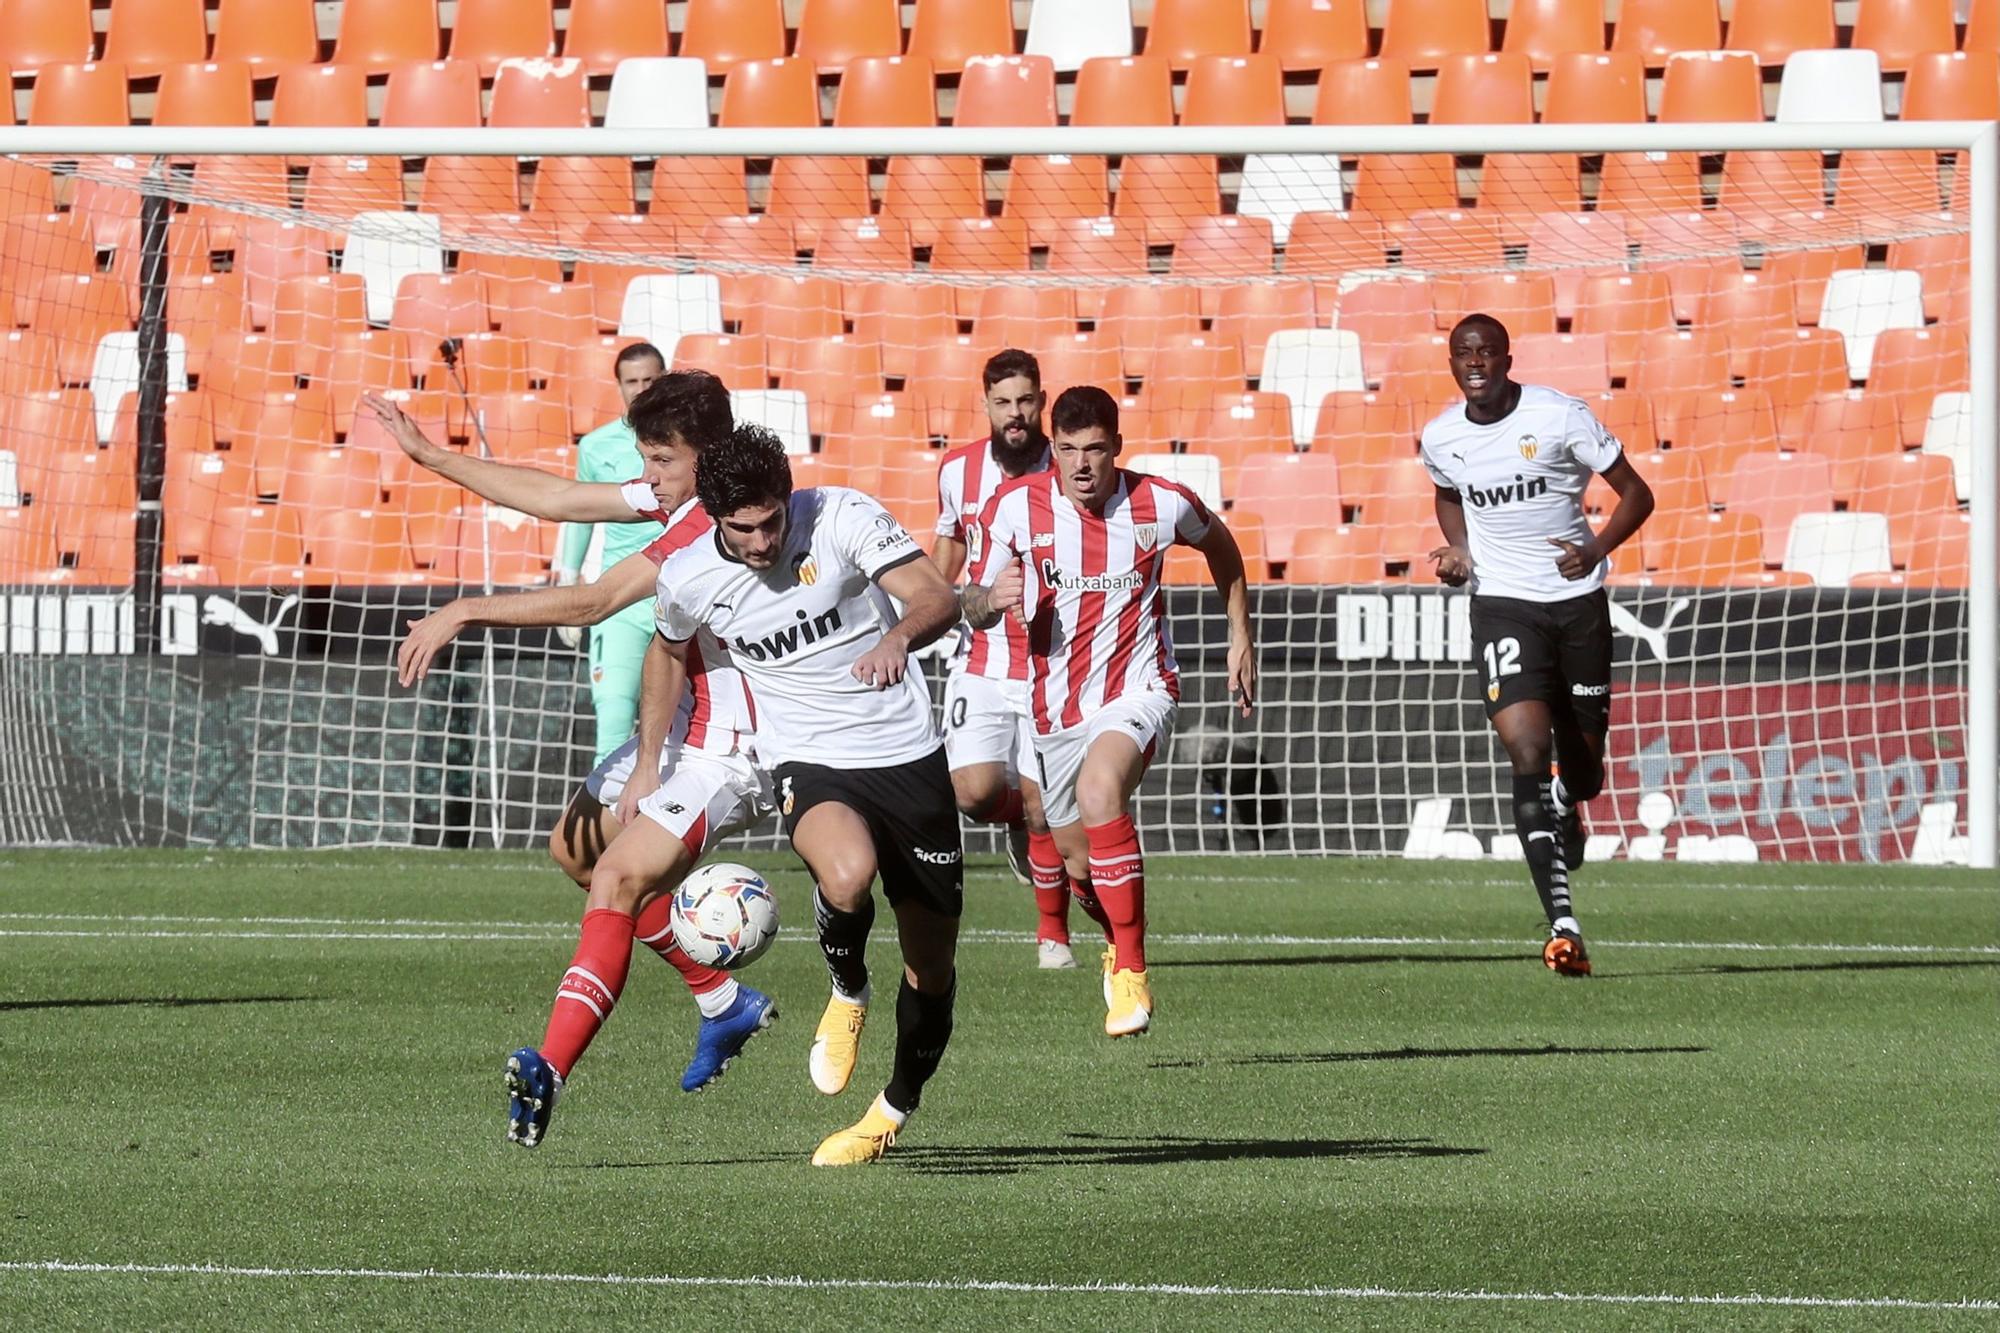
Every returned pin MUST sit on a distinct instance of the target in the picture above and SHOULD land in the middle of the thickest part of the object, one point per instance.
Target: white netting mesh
(1779, 338)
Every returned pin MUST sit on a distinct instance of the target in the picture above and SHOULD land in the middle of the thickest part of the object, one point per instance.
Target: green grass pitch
(1366, 1103)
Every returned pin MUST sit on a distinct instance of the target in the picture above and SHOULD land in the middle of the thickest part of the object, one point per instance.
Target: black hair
(688, 406)
(1482, 320)
(630, 354)
(1082, 406)
(748, 468)
(1006, 364)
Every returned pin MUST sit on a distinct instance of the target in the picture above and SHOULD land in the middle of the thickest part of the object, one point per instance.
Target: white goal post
(177, 751)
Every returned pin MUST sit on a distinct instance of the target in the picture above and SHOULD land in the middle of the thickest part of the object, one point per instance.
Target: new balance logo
(790, 639)
(945, 858)
(1055, 576)
(1524, 488)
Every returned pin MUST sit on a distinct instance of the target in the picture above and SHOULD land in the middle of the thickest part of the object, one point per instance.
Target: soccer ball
(725, 916)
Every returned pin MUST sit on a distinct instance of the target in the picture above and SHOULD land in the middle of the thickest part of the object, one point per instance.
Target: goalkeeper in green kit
(617, 645)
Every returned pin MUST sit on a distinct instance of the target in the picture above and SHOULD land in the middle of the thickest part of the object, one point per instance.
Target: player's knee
(1099, 798)
(976, 794)
(1531, 809)
(616, 887)
(932, 976)
(845, 881)
(1077, 866)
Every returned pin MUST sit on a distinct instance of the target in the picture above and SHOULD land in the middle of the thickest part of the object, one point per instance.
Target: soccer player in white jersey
(987, 735)
(797, 585)
(1077, 554)
(1520, 456)
(698, 788)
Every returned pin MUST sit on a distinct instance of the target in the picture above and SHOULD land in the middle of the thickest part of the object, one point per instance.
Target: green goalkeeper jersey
(609, 453)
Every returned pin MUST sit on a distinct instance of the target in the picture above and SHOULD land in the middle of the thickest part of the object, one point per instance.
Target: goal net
(208, 553)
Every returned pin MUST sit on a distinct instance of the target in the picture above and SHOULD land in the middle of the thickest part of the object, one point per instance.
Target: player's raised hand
(1243, 676)
(426, 639)
(1577, 558)
(1454, 565)
(399, 425)
(1009, 592)
(883, 665)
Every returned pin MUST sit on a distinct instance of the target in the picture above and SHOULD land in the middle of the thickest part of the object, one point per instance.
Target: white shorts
(606, 782)
(1147, 717)
(986, 722)
(704, 798)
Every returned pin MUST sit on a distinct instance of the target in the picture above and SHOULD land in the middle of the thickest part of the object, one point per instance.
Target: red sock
(1118, 875)
(1008, 809)
(1045, 868)
(1086, 898)
(654, 929)
(590, 988)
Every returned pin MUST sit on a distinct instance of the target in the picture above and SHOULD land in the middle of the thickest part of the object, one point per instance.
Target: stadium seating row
(674, 93)
(148, 35)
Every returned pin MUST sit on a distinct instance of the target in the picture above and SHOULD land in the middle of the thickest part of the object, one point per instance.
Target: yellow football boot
(836, 1044)
(862, 1142)
(1131, 1009)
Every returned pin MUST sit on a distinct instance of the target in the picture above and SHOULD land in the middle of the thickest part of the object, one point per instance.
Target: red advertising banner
(1820, 772)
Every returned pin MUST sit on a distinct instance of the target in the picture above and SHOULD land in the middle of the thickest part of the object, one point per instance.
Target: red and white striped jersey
(967, 480)
(1097, 626)
(717, 714)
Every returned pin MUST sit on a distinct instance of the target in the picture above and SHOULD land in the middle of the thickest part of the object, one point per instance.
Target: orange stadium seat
(533, 93)
(814, 191)
(739, 361)
(725, 33)
(832, 373)
(1770, 183)
(235, 541)
(87, 94)
(50, 421)
(426, 409)
(919, 193)
(1774, 29)
(574, 190)
(1483, 89)
(1889, 190)
(94, 478)
(1595, 89)
(948, 33)
(1235, 90)
(1954, 85)
(1006, 90)
(1452, 238)
(1015, 316)
(1775, 488)
(603, 32)
(433, 92)
(1645, 185)
(1687, 248)
(833, 33)
(1575, 247)
(1081, 358)
(1096, 248)
(876, 244)
(549, 319)
(1418, 32)
(1682, 359)
(1182, 31)
(1524, 302)
(1124, 90)
(243, 368)
(1705, 85)
(1363, 92)
(263, 181)
(514, 283)
(943, 389)
(1047, 190)
(1898, 30)
(1136, 319)
(762, 239)
(46, 32)
(904, 320)
(431, 306)
(1248, 314)
(25, 189)
(95, 545)
(146, 36)
(1334, 556)
(1392, 186)
(1705, 550)
(27, 362)
(1794, 366)
(1521, 187)
(1655, 29)
(1944, 261)
(508, 547)
(1717, 424)
(487, 32)
(355, 361)
(349, 478)
(1231, 246)
(1933, 549)
(1546, 30)
(1293, 493)
(1384, 313)
(705, 188)
(1808, 270)
(321, 95)
(1333, 244)
(1186, 372)
(381, 34)
(356, 546)
(215, 93)
(1239, 426)
(1680, 487)
(1166, 194)
(466, 191)
(887, 90)
(793, 311)
(308, 310)
(1914, 366)
(994, 247)
(1360, 427)
(773, 94)
(27, 544)
(1187, 567)
(1310, 34)
(487, 363)
(1749, 307)
(1844, 427)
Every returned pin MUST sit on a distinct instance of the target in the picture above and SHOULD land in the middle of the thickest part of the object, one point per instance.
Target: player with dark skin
(1481, 360)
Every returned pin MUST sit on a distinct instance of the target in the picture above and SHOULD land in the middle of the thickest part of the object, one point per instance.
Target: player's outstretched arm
(662, 678)
(1635, 506)
(628, 582)
(1225, 566)
(930, 608)
(1454, 558)
(530, 490)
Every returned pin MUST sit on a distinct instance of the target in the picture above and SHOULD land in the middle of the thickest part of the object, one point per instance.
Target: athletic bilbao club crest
(806, 570)
(1147, 535)
(1528, 447)
(975, 543)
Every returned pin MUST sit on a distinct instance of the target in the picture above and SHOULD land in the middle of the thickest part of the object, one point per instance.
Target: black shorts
(911, 812)
(1557, 652)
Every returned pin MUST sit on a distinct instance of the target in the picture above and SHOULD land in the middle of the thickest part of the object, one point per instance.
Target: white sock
(1566, 923)
(715, 1003)
(861, 999)
(1558, 798)
(897, 1118)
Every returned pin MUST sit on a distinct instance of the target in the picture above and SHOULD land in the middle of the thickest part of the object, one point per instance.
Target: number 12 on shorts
(1503, 658)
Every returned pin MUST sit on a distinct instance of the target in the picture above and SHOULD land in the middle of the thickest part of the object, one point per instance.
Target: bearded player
(1520, 455)
(1077, 554)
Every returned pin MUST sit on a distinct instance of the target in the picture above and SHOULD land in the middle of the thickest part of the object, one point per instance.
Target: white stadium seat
(658, 93)
(1281, 188)
(780, 411)
(660, 307)
(1949, 432)
(1860, 303)
(1200, 473)
(1073, 31)
(1831, 86)
(384, 248)
(1306, 365)
(115, 372)
(1833, 548)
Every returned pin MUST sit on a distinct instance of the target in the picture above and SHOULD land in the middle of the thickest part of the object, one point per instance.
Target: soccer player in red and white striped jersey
(1077, 554)
(987, 738)
(696, 782)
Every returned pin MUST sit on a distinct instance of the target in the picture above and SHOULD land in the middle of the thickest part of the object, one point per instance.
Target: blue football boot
(722, 1038)
(532, 1088)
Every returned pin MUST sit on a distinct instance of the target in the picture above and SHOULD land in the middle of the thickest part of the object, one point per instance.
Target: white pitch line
(983, 1286)
(537, 931)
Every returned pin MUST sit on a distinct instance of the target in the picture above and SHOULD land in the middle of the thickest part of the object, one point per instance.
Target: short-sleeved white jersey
(1522, 481)
(1097, 626)
(796, 630)
(967, 479)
